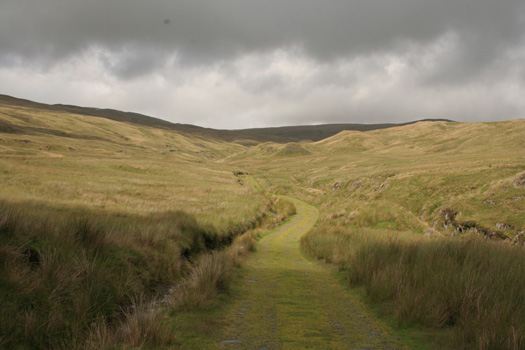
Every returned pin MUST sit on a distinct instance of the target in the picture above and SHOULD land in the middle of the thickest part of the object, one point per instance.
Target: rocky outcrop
(504, 226)
(520, 181)
(449, 215)
(449, 222)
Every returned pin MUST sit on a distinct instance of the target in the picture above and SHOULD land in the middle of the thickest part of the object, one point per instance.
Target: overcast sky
(252, 63)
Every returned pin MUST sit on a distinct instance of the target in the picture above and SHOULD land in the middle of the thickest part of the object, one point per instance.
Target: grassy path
(287, 301)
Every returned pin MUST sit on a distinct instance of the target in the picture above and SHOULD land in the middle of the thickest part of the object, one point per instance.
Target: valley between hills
(122, 231)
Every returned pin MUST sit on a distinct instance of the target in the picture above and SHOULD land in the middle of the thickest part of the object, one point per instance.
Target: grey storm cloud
(260, 47)
(204, 31)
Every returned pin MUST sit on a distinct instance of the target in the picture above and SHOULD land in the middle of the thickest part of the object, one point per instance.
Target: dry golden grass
(209, 275)
(384, 197)
(93, 200)
(66, 160)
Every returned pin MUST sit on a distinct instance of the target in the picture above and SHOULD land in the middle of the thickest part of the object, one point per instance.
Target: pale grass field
(98, 216)
(379, 193)
(420, 169)
(117, 167)
(383, 198)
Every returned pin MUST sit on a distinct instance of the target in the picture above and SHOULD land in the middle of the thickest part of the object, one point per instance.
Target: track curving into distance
(286, 301)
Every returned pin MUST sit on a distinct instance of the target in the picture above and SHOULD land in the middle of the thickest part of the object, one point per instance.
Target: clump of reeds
(472, 287)
(208, 276)
(61, 272)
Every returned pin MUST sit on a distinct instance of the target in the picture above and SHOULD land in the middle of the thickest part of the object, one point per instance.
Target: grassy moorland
(429, 219)
(97, 216)
(102, 210)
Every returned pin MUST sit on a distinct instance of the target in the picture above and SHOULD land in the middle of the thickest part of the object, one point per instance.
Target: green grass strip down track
(286, 301)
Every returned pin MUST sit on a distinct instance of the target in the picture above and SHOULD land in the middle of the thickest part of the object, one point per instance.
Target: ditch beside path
(286, 301)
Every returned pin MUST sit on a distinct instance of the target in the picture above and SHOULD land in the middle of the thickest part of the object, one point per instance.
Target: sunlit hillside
(428, 219)
(66, 159)
(475, 169)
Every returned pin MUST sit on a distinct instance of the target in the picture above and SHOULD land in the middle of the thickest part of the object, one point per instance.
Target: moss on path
(286, 301)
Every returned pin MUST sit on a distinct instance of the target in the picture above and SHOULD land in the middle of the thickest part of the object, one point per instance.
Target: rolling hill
(100, 207)
(248, 136)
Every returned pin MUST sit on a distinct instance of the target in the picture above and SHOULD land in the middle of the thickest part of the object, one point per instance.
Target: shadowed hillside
(98, 216)
(247, 136)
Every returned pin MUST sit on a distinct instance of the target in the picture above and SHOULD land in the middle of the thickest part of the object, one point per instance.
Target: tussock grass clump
(243, 245)
(61, 272)
(281, 210)
(211, 273)
(208, 276)
(470, 286)
(382, 214)
(69, 278)
(142, 324)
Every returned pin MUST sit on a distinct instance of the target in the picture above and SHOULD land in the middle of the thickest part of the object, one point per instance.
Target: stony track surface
(287, 301)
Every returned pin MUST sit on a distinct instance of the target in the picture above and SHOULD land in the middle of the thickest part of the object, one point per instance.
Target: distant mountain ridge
(282, 134)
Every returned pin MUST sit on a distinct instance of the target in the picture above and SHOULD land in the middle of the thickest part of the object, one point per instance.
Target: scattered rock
(519, 239)
(240, 173)
(336, 186)
(380, 188)
(422, 217)
(504, 226)
(448, 214)
(488, 233)
(472, 226)
(468, 224)
(520, 181)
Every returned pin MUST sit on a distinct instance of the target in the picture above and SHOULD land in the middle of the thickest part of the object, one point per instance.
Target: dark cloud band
(272, 55)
